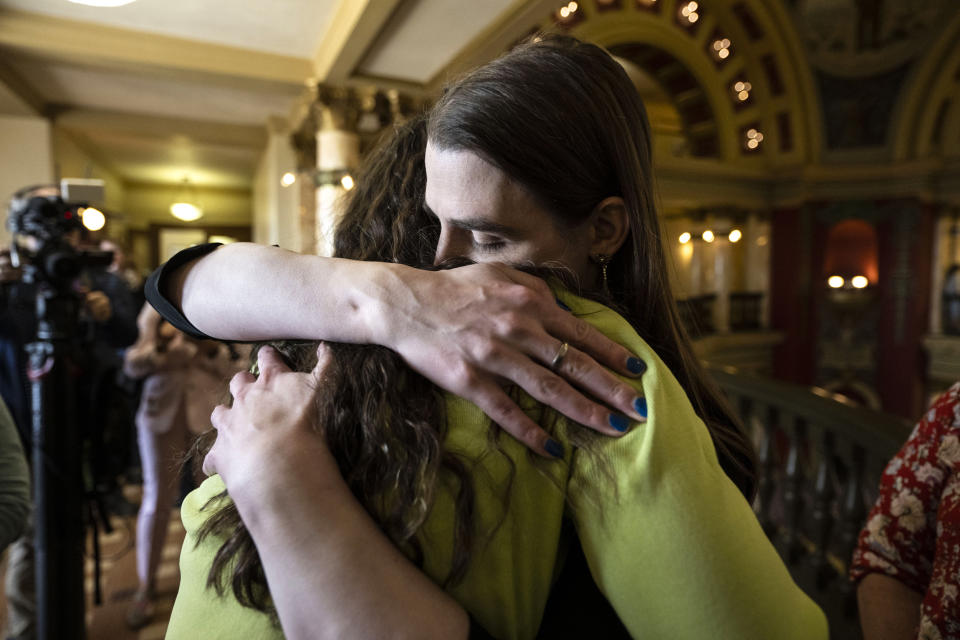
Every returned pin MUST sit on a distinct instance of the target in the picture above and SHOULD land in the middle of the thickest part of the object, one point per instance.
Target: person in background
(907, 560)
(111, 397)
(183, 379)
(14, 481)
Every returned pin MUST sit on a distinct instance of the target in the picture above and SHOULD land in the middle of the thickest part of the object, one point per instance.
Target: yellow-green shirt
(669, 539)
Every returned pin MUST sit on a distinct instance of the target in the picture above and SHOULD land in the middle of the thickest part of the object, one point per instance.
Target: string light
(835, 282)
(689, 11)
(721, 48)
(288, 179)
(708, 236)
(735, 235)
(684, 237)
(568, 10)
(754, 138)
(347, 182)
(859, 282)
(742, 89)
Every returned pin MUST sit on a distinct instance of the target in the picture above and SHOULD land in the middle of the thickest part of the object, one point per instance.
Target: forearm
(250, 292)
(333, 574)
(889, 610)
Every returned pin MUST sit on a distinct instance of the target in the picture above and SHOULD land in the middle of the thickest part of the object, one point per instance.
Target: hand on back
(472, 329)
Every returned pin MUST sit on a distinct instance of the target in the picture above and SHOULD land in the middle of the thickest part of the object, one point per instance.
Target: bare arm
(467, 329)
(889, 610)
(331, 572)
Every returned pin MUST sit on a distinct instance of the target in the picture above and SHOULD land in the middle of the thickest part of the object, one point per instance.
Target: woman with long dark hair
(540, 159)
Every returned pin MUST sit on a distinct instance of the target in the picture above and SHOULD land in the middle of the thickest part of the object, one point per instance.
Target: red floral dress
(913, 531)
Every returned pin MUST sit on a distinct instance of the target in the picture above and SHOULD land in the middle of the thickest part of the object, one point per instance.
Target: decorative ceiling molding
(932, 83)
(520, 18)
(161, 129)
(354, 29)
(21, 90)
(78, 42)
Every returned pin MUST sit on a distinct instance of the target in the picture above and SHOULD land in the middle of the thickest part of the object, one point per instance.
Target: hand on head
(270, 427)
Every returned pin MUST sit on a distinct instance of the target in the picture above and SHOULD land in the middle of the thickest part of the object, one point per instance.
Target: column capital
(337, 108)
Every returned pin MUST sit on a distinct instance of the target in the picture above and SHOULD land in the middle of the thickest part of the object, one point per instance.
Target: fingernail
(562, 306)
(640, 406)
(554, 448)
(636, 366)
(618, 422)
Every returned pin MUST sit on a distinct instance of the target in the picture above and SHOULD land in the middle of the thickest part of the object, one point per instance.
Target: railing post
(822, 514)
(793, 488)
(768, 468)
(852, 515)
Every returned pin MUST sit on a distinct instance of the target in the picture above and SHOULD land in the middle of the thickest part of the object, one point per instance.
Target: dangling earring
(603, 260)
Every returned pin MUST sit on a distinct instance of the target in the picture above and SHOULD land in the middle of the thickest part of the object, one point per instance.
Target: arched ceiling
(929, 110)
(704, 62)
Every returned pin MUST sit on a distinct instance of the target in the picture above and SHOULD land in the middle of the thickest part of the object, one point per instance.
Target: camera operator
(112, 397)
(99, 322)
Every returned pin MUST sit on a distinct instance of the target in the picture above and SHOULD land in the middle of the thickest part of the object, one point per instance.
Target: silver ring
(557, 359)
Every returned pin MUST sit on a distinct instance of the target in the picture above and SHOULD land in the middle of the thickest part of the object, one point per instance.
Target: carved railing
(697, 314)
(951, 314)
(745, 311)
(820, 462)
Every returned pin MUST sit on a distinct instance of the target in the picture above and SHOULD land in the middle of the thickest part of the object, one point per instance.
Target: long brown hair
(383, 422)
(562, 118)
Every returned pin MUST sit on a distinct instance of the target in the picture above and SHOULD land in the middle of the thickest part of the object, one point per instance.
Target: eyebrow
(477, 224)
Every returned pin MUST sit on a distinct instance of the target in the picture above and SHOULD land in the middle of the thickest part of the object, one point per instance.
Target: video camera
(43, 220)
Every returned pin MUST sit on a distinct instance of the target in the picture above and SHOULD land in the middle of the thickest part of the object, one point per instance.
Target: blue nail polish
(618, 422)
(640, 405)
(554, 448)
(636, 366)
(562, 306)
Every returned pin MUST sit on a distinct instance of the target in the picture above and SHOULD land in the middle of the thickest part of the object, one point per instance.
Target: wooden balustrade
(820, 461)
(950, 309)
(745, 308)
(697, 314)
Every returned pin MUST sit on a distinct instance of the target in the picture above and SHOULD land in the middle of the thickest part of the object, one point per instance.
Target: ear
(610, 226)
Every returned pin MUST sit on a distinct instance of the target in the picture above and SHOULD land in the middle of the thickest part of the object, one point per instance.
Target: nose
(447, 246)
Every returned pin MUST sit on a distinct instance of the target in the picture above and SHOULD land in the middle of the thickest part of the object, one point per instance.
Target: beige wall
(25, 159)
(72, 161)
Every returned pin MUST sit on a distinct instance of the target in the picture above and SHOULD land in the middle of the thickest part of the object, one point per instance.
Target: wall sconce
(856, 282)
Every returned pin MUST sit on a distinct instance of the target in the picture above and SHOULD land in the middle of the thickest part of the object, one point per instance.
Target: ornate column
(757, 238)
(304, 142)
(274, 204)
(337, 110)
(721, 274)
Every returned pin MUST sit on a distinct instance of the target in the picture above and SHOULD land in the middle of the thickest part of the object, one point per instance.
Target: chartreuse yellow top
(670, 540)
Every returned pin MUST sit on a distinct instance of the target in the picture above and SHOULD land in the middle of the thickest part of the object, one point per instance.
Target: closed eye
(484, 245)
